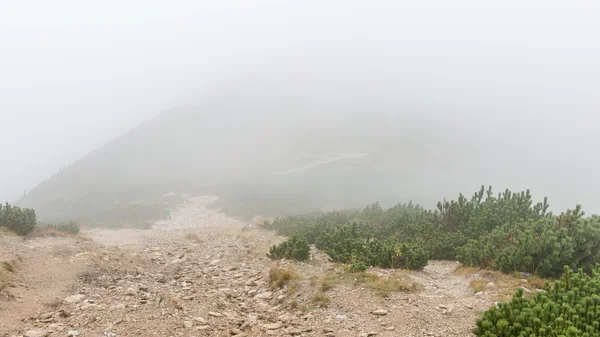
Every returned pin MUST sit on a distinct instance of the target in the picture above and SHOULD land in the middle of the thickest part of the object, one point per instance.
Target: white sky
(75, 74)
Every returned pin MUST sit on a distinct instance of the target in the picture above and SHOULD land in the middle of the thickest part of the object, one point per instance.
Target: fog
(421, 100)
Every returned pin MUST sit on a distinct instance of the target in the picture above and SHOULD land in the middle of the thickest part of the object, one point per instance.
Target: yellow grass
(281, 277)
(320, 299)
(193, 237)
(505, 285)
(381, 286)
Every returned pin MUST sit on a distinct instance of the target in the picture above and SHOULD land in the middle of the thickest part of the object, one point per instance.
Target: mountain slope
(237, 138)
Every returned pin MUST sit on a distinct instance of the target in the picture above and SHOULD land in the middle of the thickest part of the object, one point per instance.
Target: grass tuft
(505, 284)
(478, 285)
(193, 237)
(7, 266)
(381, 286)
(281, 277)
(320, 300)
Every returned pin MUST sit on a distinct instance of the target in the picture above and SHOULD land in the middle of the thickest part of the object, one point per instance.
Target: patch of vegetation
(567, 308)
(21, 221)
(193, 237)
(306, 308)
(3, 280)
(57, 229)
(541, 247)
(281, 277)
(294, 249)
(326, 285)
(381, 286)
(504, 285)
(478, 285)
(320, 300)
(357, 267)
(7, 266)
(505, 231)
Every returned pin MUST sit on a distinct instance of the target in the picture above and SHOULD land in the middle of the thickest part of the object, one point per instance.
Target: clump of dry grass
(46, 232)
(537, 282)
(3, 279)
(320, 300)
(326, 284)
(381, 286)
(193, 237)
(54, 303)
(8, 266)
(281, 277)
(505, 284)
(478, 285)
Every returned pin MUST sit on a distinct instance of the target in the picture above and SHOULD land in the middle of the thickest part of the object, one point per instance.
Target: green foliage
(505, 231)
(21, 221)
(461, 220)
(295, 248)
(541, 246)
(358, 267)
(570, 307)
(70, 227)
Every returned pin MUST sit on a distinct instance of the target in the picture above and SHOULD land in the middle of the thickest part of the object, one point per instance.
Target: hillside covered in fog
(314, 133)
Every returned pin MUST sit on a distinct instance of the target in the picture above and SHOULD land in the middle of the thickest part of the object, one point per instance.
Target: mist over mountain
(325, 131)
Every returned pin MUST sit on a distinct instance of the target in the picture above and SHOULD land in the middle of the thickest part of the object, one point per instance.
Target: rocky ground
(203, 274)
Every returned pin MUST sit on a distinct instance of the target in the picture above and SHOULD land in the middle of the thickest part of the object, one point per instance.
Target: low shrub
(569, 308)
(357, 267)
(21, 221)
(69, 227)
(295, 249)
(541, 247)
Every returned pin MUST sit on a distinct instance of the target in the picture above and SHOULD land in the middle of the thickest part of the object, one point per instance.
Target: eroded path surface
(200, 274)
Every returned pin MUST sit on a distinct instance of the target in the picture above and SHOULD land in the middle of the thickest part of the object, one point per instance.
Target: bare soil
(202, 273)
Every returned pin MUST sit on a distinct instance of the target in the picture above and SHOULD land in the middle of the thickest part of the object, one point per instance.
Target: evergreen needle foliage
(569, 308)
(21, 221)
(294, 249)
(505, 231)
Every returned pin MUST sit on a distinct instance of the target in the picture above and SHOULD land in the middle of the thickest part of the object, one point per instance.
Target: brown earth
(203, 274)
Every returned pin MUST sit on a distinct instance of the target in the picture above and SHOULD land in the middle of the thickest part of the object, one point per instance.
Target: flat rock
(74, 299)
(380, 312)
(36, 333)
(264, 296)
(273, 326)
(294, 332)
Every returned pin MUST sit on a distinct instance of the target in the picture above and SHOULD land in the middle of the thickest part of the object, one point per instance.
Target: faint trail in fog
(330, 159)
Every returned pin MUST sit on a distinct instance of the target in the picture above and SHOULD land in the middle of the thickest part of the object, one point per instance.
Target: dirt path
(45, 271)
(200, 274)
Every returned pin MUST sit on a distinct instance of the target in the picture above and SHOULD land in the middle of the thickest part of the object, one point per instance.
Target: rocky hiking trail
(201, 273)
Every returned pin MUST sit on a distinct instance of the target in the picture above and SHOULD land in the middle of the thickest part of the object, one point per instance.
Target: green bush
(570, 307)
(541, 247)
(21, 221)
(505, 231)
(295, 249)
(70, 227)
(358, 267)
